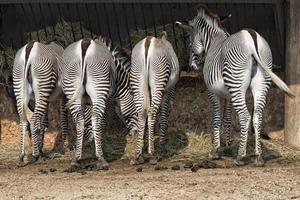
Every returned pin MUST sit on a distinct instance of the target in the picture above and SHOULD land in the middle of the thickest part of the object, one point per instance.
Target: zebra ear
(163, 35)
(225, 18)
(184, 24)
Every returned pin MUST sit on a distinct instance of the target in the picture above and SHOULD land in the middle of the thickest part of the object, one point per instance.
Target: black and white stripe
(154, 73)
(34, 78)
(232, 64)
(88, 70)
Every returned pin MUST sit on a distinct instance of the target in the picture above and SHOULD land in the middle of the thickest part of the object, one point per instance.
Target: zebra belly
(219, 88)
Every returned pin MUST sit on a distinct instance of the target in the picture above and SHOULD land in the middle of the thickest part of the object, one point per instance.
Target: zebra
(88, 68)
(35, 71)
(122, 92)
(153, 75)
(232, 64)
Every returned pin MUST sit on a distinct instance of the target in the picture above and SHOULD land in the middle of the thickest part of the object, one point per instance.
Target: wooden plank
(292, 106)
(141, 1)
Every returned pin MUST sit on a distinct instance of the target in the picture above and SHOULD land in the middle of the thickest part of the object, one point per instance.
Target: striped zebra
(232, 64)
(88, 69)
(122, 93)
(35, 71)
(154, 73)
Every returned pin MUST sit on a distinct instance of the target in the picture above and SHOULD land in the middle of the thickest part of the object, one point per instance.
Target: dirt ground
(188, 139)
(279, 179)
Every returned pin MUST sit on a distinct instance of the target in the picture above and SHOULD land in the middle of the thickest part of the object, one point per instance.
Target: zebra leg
(227, 122)
(36, 125)
(77, 114)
(239, 104)
(215, 101)
(98, 125)
(163, 120)
(23, 128)
(137, 158)
(259, 86)
(64, 124)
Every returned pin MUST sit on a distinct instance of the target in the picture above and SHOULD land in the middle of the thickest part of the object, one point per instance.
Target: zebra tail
(26, 109)
(273, 76)
(146, 99)
(84, 46)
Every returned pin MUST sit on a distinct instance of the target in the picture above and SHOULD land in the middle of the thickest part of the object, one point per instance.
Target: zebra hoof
(239, 161)
(153, 160)
(137, 161)
(102, 165)
(21, 163)
(214, 155)
(259, 161)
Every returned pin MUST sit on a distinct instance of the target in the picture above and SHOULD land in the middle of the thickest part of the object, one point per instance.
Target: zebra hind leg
(98, 125)
(163, 122)
(77, 114)
(239, 104)
(23, 128)
(227, 123)
(259, 90)
(215, 100)
(137, 157)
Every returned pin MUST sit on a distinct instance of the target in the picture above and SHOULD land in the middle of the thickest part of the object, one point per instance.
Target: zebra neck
(215, 41)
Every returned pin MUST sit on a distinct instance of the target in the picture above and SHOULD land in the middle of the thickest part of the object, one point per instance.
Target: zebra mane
(120, 54)
(209, 17)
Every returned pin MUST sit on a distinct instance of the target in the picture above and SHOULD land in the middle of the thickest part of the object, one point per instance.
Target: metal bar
(20, 30)
(183, 31)
(37, 31)
(134, 17)
(80, 26)
(89, 20)
(44, 19)
(26, 19)
(144, 19)
(51, 14)
(162, 17)
(72, 28)
(153, 20)
(127, 26)
(107, 20)
(173, 27)
(143, 1)
(117, 24)
(97, 19)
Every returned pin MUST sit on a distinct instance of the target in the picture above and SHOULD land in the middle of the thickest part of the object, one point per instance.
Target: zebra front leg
(137, 157)
(227, 122)
(77, 114)
(215, 101)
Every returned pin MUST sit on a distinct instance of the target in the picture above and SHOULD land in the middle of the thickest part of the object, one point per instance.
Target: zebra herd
(87, 73)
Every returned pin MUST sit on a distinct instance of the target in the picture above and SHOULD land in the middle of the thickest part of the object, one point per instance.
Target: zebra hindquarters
(99, 87)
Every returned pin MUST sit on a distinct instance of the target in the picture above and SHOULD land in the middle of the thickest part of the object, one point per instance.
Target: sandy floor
(279, 179)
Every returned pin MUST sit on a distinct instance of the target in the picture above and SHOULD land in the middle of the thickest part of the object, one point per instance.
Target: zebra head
(204, 25)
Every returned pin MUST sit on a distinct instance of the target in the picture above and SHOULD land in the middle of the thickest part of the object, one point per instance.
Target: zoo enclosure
(278, 21)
